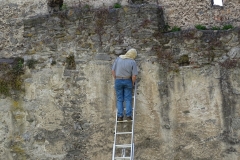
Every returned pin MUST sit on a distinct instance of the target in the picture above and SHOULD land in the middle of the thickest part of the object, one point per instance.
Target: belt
(117, 77)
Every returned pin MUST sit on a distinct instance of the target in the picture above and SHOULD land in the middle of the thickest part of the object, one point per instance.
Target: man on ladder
(124, 70)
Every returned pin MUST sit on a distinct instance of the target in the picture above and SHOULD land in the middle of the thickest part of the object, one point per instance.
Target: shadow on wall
(55, 5)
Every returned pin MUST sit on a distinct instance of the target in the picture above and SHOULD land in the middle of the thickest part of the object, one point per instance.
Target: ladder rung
(123, 145)
(125, 108)
(124, 133)
(122, 158)
(124, 121)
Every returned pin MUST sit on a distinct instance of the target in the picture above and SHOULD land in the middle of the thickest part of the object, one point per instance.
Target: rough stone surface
(187, 94)
(183, 13)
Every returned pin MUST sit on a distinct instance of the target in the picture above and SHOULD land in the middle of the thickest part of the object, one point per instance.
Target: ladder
(124, 147)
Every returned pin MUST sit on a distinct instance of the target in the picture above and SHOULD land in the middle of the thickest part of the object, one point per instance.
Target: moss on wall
(11, 76)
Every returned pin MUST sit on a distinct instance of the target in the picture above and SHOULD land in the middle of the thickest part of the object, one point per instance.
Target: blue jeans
(123, 89)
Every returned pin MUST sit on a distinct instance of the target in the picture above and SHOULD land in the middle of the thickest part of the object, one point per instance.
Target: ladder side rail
(132, 157)
(133, 114)
(115, 137)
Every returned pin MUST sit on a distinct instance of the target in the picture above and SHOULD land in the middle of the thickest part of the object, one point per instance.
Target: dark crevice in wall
(55, 5)
(163, 89)
(228, 104)
(161, 21)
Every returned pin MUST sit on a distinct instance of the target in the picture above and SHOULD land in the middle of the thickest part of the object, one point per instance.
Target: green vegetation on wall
(183, 60)
(64, 6)
(4, 89)
(201, 27)
(228, 26)
(31, 63)
(168, 28)
(225, 27)
(117, 5)
(215, 28)
(175, 29)
(70, 62)
(11, 77)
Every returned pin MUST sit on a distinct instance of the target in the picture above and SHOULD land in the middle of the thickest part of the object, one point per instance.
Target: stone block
(103, 57)
(118, 51)
(6, 60)
(67, 73)
(234, 52)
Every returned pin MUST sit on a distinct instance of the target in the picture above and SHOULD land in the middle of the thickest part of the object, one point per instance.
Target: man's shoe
(119, 118)
(129, 118)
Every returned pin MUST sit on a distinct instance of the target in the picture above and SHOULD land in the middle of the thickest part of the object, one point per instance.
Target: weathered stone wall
(193, 12)
(196, 98)
(68, 108)
(188, 87)
(182, 13)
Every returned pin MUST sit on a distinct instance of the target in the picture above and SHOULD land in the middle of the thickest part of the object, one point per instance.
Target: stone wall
(190, 13)
(67, 110)
(187, 95)
(184, 14)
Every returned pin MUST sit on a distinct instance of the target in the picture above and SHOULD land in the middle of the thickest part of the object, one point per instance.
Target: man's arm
(113, 74)
(134, 72)
(134, 77)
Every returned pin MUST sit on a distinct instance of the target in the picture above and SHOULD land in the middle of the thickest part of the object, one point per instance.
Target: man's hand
(134, 79)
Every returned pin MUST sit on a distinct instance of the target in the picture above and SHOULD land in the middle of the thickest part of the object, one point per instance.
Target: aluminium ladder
(126, 146)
